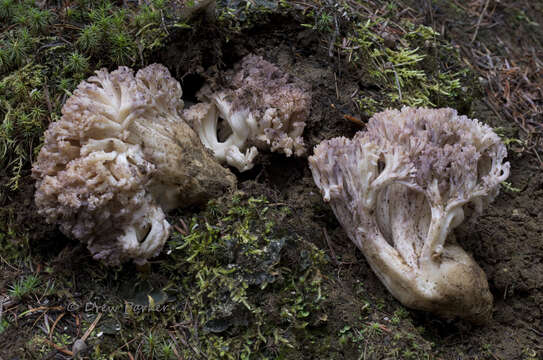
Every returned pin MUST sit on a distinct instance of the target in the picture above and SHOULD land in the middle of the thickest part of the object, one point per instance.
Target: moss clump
(238, 15)
(105, 33)
(23, 116)
(254, 287)
(398, 61)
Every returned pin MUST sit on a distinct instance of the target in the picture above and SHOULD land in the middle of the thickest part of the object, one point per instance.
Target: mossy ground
(266, 272)
(236, 281)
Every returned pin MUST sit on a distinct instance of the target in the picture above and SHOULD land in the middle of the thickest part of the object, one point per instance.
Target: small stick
(55, 324)
(93, 325)
(176, 352)
(479, 21)
(40, 308)
(179, 230)
(77, 323)
(59, 348)
(48, 100)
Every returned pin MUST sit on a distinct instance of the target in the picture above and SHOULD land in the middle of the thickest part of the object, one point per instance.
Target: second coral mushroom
(401, 187)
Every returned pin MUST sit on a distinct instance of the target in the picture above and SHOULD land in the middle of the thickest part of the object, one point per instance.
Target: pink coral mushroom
(401, 187)
(118, 159)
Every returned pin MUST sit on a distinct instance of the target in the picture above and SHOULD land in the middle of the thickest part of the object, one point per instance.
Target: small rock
(517, 215)
(78, 347)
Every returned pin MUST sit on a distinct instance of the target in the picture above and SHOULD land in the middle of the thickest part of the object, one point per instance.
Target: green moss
(14, 248)
(23, 116)
(235, 281)
(23, 286)
(398, 62)
(234, 269)
(16, 45)
(238, 15)
(408, 66)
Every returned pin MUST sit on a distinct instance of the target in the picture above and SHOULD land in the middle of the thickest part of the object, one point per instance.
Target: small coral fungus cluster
(123, 152)
(264, 107)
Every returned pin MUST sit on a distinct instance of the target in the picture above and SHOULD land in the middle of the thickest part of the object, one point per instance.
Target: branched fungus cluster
(399, 189)
(118, 159)
(123, 153)
(264, 107)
